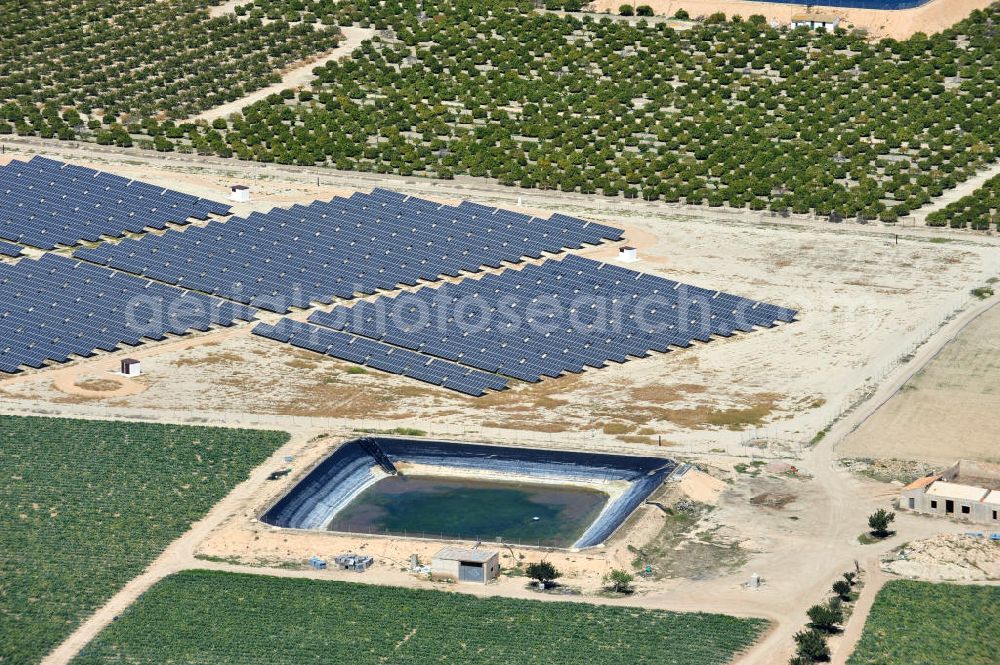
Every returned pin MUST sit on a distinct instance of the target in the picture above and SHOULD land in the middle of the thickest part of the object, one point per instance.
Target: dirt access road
(796, 577)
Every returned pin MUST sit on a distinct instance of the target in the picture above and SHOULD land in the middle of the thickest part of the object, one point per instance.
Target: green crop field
(220, 618)
(918, 623)
(87, 505)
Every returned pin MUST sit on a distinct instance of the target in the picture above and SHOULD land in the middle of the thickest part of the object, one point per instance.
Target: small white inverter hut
(628, 254)
(465, 565)
(131, 367)
(239, 194)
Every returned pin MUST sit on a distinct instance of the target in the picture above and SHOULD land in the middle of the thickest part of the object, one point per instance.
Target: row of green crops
(979, 210)
(919, 623)
(220, 618)
(87, 505)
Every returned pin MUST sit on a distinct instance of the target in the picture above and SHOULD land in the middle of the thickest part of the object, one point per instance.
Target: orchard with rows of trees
(731, 112)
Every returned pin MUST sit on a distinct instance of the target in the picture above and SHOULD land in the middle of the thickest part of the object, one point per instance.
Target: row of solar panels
(57, 307)
(8, 249)
(382, 357)
(338, 249)
(46, 203)
(548, 319)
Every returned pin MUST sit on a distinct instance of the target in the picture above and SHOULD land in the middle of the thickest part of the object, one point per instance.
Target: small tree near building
(543, 572)
(619, 581)
(879, 522)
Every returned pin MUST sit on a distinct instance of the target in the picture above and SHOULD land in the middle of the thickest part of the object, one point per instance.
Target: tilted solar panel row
(56, 307)
(8, 249)
(45, 203)
(552, 318)
(339, 249)
(382, 357)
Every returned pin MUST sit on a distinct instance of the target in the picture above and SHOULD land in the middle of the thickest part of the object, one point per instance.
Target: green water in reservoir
(436, 507)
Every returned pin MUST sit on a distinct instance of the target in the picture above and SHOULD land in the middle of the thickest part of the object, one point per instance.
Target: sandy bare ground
(227, 7)
(946, 411)
(934, 16)
(295, 76)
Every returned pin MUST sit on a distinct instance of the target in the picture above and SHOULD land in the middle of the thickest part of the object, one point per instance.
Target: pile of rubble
(948, 557)
(889, 470)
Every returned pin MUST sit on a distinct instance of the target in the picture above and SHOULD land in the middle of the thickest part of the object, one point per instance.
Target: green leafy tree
(879, 522)
(543, 572)
(811, 645)
(619, 581)
(626, 10)
(825, 617)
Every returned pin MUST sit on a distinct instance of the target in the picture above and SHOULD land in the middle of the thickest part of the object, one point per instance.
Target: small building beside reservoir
(967, 490)
(828, 22)
(466, 565)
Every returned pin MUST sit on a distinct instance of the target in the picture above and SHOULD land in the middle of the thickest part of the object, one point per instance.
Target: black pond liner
(338, 479)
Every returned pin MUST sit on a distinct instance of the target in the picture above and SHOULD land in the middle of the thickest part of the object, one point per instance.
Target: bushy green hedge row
(979, 210)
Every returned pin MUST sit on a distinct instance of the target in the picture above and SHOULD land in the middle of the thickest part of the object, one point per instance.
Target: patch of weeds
(354, 369)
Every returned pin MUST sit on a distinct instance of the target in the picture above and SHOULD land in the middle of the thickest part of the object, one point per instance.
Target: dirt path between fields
(957, 192)
(296, 75)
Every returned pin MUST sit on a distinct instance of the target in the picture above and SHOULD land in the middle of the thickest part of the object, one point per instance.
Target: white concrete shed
(466, 565)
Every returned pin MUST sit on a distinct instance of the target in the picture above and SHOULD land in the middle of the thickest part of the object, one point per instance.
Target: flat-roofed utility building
(967, 490)
(466, 565)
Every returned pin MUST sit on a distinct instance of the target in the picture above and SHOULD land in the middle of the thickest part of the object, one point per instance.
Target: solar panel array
(45, 203)
(338, 249)
(552, 318)
(8, 249)
(55, 307)
(382, 357)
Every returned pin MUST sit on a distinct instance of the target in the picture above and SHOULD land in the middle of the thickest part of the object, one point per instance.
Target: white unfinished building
(966, 490)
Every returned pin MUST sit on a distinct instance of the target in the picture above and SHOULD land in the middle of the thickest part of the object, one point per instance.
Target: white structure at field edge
(828, 22)
(465, 565)
(239, 194)
(966, 490)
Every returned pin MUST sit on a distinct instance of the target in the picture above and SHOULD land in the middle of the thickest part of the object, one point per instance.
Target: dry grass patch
(553, 427)
(98, 385)
(753, 414)
(658, 393)
(214, 358)
(617, 428)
